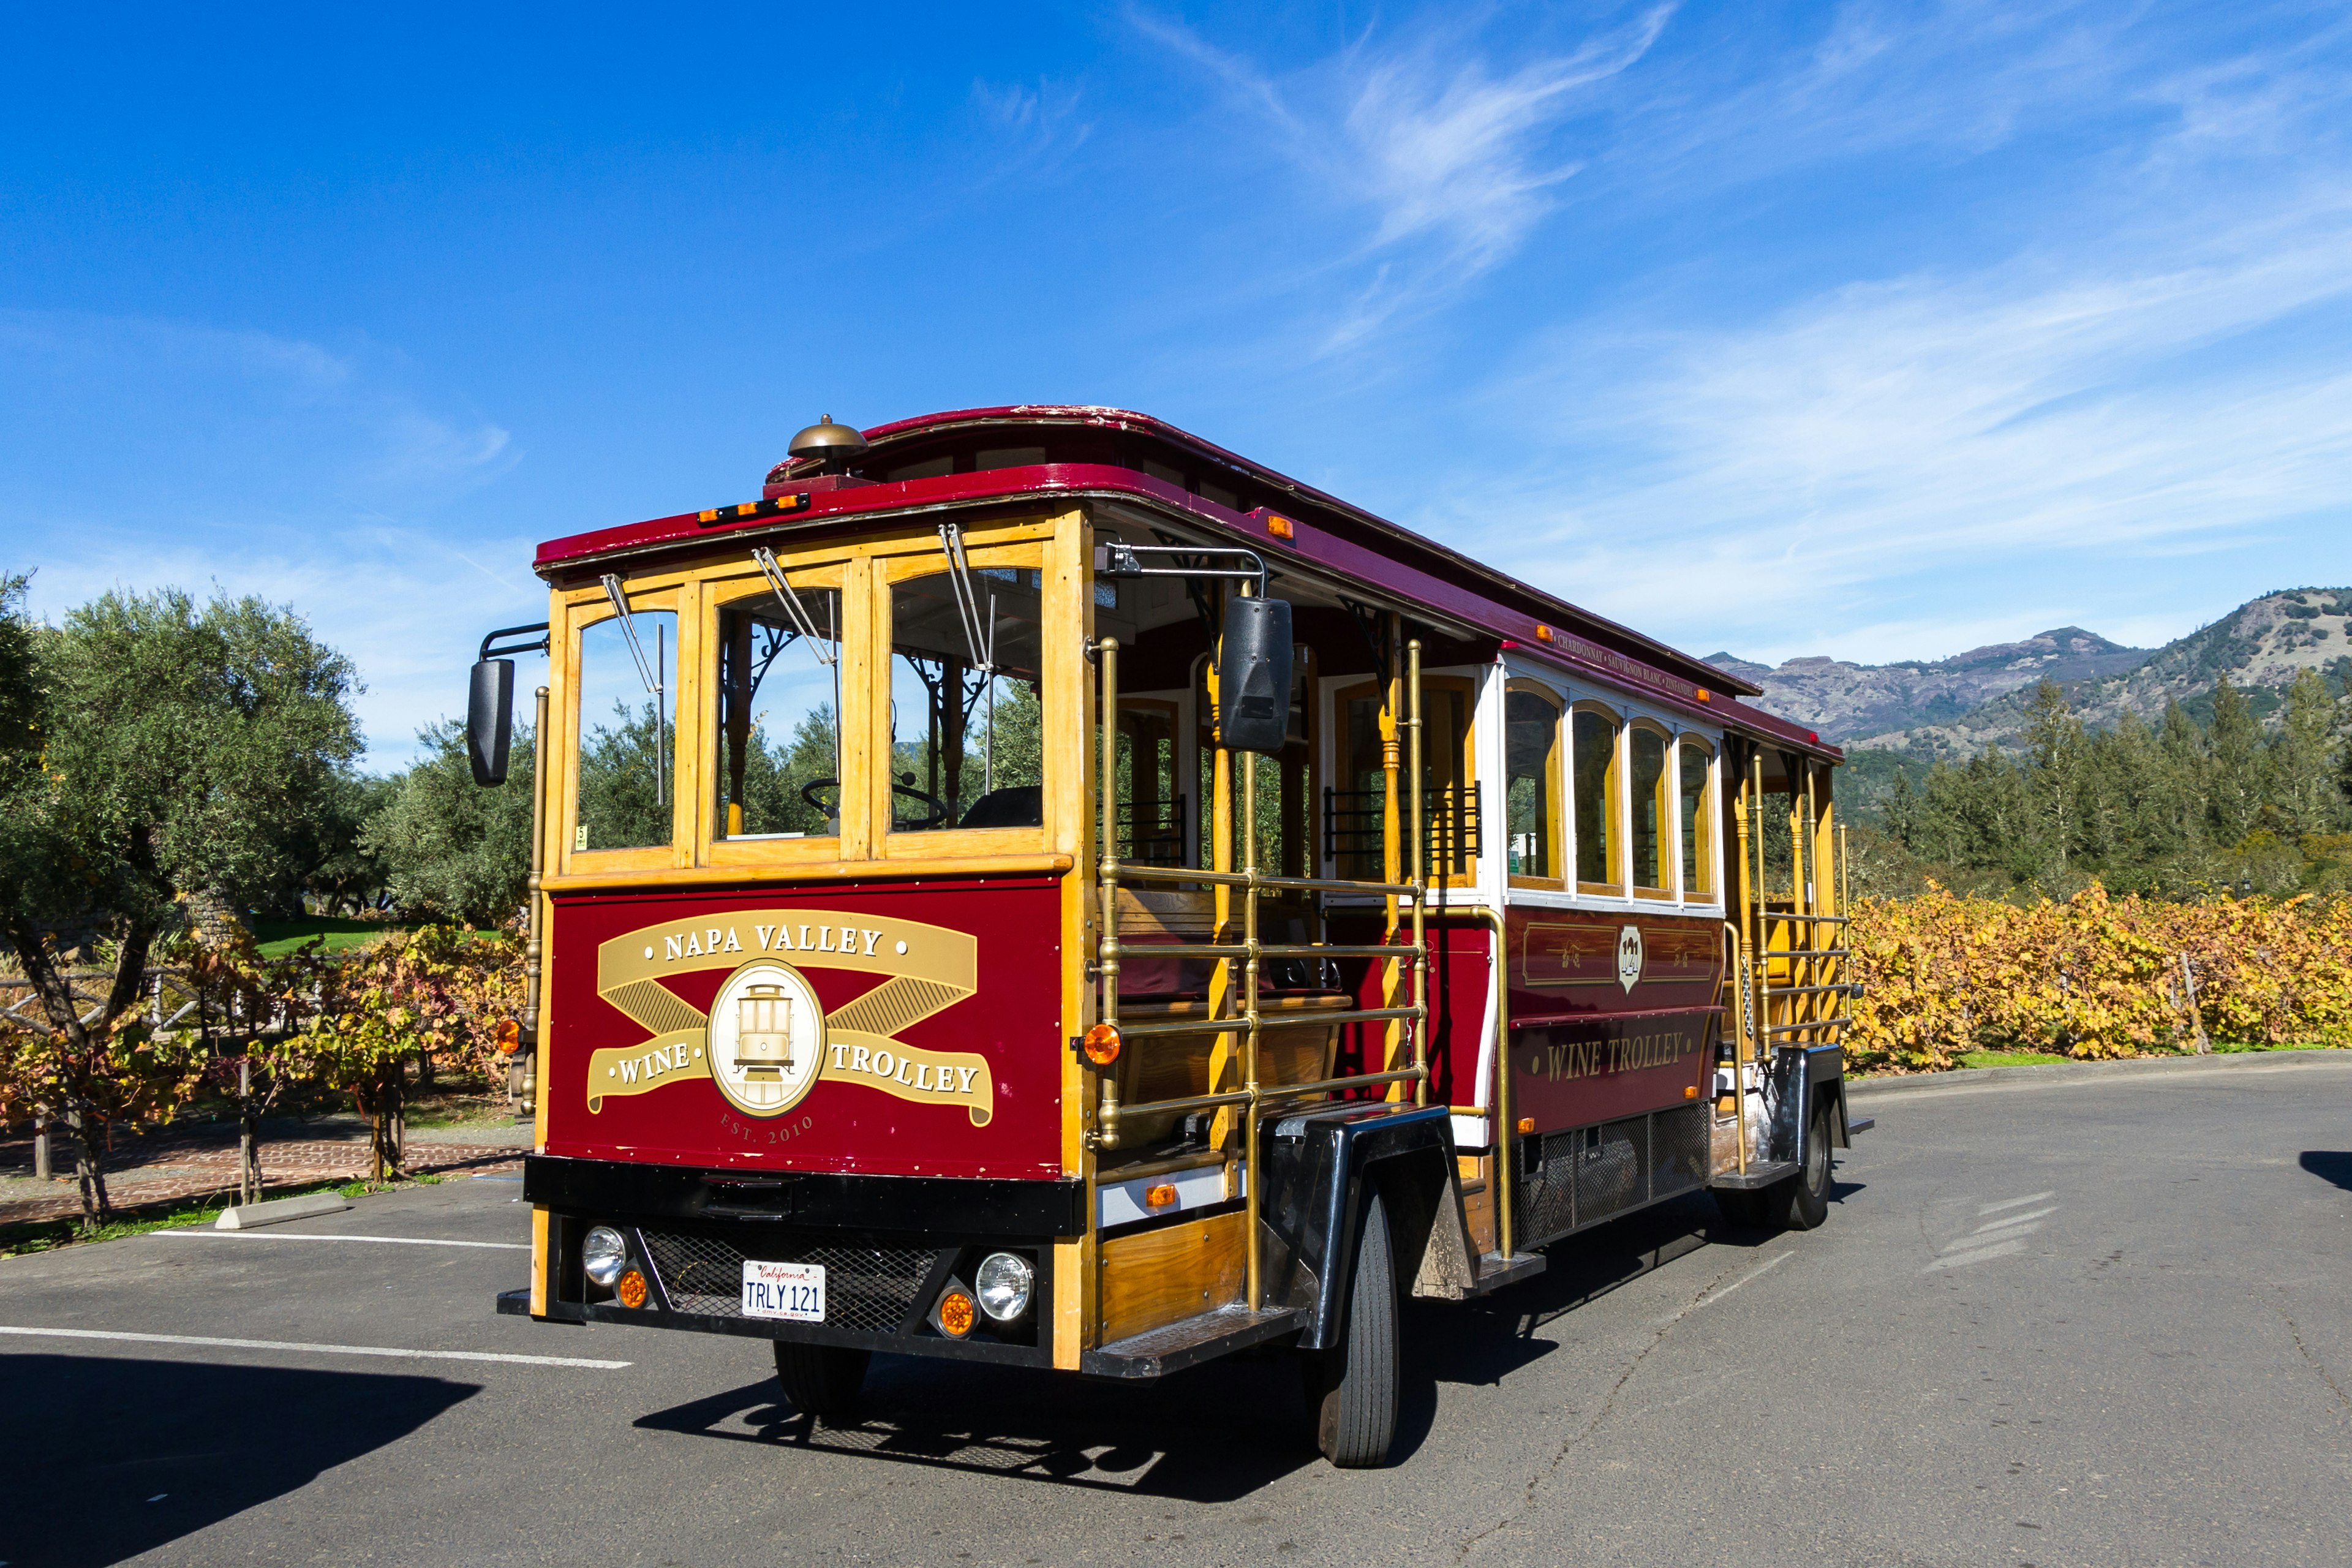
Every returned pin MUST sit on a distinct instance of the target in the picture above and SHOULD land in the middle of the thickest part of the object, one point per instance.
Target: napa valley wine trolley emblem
(767, 1040)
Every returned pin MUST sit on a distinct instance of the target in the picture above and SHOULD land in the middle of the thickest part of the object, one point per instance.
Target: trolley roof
(1037, 451)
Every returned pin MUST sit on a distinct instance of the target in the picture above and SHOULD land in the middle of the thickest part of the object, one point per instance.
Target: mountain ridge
(1959, 704)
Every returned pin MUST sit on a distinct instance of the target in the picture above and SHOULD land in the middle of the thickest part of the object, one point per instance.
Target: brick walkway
(201, 1161)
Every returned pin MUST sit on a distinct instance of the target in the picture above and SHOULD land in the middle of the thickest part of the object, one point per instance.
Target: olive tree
(149, 747)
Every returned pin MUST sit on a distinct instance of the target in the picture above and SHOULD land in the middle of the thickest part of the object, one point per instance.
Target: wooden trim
(1662, 802)
(891, 570)
(1163, 1277)
(819, 874)
(1614, 848)
(1556, 829)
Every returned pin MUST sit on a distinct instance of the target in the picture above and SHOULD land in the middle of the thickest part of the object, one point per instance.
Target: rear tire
(1801, 1201)
(821, 1381)
(1356, 1416)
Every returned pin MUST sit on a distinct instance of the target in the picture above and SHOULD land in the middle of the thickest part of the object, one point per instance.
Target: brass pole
(1107, 1106)
(1419, 876)
(1221, 895)
(1808, 840)
(1252, 1250)
(534, 935)
(1741, 1026)
(1392, 862)
(1499, 1102)
(1762, 957)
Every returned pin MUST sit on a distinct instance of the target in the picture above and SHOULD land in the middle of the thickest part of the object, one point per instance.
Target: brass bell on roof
(828, 442)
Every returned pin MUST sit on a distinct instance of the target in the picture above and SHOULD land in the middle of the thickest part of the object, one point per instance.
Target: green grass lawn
(2010, 1059)
(279, 937)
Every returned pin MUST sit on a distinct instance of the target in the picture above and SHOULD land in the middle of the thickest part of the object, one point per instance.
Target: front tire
(1356, 1416)
(821, 1381)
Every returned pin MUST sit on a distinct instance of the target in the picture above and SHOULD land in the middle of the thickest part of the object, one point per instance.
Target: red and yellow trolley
(1036, 887)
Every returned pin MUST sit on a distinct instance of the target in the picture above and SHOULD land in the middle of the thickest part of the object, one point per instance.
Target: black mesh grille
(1679, 1149)
(1570, 1180)
(866, 1288)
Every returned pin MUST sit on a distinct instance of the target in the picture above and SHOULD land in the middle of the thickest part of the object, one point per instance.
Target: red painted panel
(1611, 1013)
(941, 1051)
(1461, 990)
(1595, 1070)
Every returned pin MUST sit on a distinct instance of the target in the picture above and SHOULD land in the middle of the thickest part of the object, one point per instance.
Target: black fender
(1824, 1078)
(1322, 1165)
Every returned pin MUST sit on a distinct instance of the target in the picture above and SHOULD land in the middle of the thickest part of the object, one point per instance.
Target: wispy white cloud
(1426, 165)
(2043, 408)
(138, 454)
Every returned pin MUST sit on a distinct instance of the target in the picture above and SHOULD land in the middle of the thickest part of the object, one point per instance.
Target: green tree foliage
(447, 848)
(152, 748)
(2174, 811)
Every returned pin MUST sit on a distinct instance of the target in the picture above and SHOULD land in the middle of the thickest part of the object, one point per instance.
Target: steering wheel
(940, 810)
(808, 793)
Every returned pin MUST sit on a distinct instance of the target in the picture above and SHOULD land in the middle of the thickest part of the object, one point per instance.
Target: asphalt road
(2055, 1317)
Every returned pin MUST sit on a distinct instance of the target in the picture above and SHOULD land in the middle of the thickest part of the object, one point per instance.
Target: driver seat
(1016, 805)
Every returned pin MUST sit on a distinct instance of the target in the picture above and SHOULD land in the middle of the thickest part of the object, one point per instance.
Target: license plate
(790, 1291)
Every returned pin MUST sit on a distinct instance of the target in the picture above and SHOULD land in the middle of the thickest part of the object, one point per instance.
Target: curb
(278, 1211)
(2053, 1074)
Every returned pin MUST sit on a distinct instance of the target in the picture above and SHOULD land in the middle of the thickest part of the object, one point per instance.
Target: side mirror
(1253, 676)
(490, 719)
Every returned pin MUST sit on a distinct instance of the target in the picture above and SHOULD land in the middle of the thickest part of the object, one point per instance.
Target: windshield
(966, 730)
(779, 737)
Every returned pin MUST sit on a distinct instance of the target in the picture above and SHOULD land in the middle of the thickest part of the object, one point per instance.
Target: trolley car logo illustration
(767, 1040)
(1629, 957)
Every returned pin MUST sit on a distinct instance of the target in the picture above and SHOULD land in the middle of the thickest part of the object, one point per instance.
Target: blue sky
(1879, 330)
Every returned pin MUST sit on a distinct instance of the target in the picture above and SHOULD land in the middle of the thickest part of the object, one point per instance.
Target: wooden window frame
(1557, 797)
(840, 574)
(580, 610)
(1668, 808)
(1614, 850)
(1703, 824)
(984, 551)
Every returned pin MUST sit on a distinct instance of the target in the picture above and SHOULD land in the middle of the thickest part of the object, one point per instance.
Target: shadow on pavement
(1176, 1438)
(128, 1454)
(2329, 1166)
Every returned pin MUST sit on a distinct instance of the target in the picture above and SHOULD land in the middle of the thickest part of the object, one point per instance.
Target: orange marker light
(1703, 694)
(1280, 526)
(633, 1289)
(1543, 633)
(955, 1314)
(1526, 1124)
(509, 1036)
(1158, 1197)
(1102, 1045)
(1690, 1092)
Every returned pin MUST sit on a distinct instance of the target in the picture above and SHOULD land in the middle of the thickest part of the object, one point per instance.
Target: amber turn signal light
(1526, 1124)
(1280, 526)
(955, 1314)
(1543, 633)
(1102, 1045)
(632, 1290)
(1158, 1197)
(1690, 1092)
(509, 1036)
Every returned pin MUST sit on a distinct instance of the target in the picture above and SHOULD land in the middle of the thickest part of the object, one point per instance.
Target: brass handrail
(1253, 883)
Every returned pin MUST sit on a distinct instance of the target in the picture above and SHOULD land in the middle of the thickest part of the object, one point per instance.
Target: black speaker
(1253, 676)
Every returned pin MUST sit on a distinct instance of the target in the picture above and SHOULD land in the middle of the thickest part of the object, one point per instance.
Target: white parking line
(327, 1236)
(2017, 1219)
(2013, 1204)
(1756, 1273)
(315, 1349)
(1961, 1260)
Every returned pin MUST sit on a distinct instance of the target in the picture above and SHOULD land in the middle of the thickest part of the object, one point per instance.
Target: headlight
(604, 1253)
(1004, 1279)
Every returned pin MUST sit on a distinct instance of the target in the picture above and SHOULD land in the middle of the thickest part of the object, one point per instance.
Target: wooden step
(1159, 1351)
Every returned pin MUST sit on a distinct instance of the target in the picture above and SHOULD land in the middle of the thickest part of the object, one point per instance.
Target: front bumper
(890, 1246)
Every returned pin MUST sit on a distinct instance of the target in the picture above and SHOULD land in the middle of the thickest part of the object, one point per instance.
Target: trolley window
(1653, 812)
(1593, 781)
(1695, 765)
(1531, 783)
(966, 736)
(626, 676)
(779, 701)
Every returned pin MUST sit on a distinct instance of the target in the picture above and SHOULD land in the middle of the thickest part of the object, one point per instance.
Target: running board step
(1854, 1124)
(1159, 1351)
(1760, 1173)
(1496, 1271)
